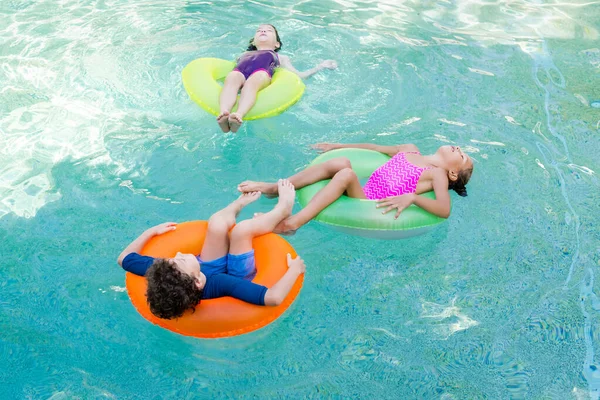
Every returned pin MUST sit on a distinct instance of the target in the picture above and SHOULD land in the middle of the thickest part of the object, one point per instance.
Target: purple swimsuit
(259, 60)
(396, 177)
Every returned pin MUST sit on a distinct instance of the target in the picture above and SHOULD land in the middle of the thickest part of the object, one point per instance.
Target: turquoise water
(99, 141)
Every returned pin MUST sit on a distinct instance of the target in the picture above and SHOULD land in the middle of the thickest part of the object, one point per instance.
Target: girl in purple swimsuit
(253, 72)
(395, 185)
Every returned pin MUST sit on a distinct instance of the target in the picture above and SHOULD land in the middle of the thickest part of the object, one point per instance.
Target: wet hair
(170, 292)
(460, 184)
(252, 47)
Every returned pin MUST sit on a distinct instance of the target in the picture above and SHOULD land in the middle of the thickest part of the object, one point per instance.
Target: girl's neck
(265, 48)
(434, 160)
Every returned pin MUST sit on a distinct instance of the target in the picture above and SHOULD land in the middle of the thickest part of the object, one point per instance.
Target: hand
(329, 64)
(164, 228)
(398, 202)
(296, 264)
(325, 147)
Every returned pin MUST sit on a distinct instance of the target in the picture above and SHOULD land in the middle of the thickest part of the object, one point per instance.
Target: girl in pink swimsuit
(252, 73)
(395, 185)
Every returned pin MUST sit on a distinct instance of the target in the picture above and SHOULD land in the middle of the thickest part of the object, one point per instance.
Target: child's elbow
(445, 213)
(272, 299)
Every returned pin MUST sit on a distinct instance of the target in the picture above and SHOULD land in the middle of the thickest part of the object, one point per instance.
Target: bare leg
(303, 178)
(344, 181)
(233, 82)
(245, 231)
(216, 243)
(253, 85)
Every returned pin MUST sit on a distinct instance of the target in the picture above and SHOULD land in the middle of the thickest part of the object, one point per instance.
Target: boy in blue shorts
(225, 267)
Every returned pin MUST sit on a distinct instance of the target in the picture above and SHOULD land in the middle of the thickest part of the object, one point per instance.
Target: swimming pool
(99, 140)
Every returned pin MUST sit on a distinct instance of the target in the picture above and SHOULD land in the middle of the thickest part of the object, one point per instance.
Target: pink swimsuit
(396, 177)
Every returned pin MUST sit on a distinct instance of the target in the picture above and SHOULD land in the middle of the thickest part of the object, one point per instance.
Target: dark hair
(170, 292)
(252, 47)
(460, 184)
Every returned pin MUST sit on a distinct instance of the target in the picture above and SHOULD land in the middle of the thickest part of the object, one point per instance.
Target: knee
(341, 163)
(346, 175)
(251, 86)
(247, 88)
(219, 224)
(241, 231)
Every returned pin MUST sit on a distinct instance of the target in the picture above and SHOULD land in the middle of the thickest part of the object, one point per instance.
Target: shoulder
(439, 175)
(407, 148)
(219, 285)
(435, 174)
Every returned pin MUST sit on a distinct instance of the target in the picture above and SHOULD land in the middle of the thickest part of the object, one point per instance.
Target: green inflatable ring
(201, 76)
(361, 217)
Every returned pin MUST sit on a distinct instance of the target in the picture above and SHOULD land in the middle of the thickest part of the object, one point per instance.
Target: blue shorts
(239, 265)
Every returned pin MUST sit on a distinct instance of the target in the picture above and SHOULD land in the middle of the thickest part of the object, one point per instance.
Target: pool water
(99, 141)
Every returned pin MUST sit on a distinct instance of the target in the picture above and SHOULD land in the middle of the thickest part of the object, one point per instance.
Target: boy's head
(174, 285)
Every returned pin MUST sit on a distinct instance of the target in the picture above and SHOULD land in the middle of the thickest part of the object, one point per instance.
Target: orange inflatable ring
(226, 316)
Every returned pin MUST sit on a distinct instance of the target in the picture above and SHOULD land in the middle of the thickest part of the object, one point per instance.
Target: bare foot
(287, 195)
(247, 198)
(268, 189)
(235, 121)
(223, 121)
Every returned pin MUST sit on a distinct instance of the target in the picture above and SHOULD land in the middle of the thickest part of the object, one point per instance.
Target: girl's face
(454, 158)
(265, 37)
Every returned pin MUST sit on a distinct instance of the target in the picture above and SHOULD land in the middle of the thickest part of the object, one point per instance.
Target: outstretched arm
(277, 294)
(389, 150)
(138, 244)
(439, 206)
(287, 64)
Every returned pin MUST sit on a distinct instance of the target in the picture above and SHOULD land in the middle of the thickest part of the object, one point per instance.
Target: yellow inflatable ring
(225, 316)
(201, 76)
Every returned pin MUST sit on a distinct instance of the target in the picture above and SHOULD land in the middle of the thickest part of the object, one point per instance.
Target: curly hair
(460, 184)
(170, 292)
(252, 47)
